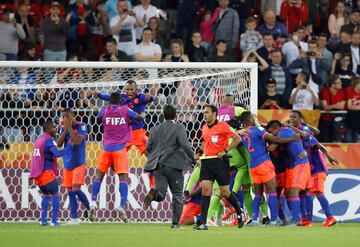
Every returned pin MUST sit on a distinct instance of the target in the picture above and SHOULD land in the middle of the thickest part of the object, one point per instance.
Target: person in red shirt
(294, 13)
(333, 98)
(353, 116)
(215, 137)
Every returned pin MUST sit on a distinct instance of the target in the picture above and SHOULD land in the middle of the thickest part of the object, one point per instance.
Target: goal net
(33, 92)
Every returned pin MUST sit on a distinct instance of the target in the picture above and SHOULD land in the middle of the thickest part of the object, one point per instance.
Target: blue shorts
(51, 188)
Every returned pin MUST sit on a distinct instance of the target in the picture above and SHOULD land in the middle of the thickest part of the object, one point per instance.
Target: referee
(213, 167)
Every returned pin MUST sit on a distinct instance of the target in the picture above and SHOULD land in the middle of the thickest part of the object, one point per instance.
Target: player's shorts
(190, 210)
(73, 177)
(51, 188)
(46, 177)
(280, 179)
(298, 176)
(318, 182)
(118, 159)
(215, 169)
(139, 140)
(263, 173)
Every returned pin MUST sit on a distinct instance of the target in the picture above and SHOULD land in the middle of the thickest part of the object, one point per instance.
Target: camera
(310, 54)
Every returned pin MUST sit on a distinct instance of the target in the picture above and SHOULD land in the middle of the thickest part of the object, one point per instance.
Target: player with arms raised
(117, 133)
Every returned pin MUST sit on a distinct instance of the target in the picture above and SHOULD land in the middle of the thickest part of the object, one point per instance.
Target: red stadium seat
(37, 19)
(7, 5)
(35, 9)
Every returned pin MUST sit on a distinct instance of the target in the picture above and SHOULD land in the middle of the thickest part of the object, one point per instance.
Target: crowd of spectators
(308, 51)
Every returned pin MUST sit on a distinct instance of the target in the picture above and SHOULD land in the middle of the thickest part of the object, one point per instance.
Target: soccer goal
(32, 92)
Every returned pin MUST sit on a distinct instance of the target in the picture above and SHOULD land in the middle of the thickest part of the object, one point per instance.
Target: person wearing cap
(354, 24)
(11, 33)
(272, 99)
(54, 31)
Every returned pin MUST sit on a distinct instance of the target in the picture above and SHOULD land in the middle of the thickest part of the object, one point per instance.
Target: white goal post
(31, 92)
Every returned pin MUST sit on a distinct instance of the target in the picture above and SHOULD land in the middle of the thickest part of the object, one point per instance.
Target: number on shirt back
(249, 144)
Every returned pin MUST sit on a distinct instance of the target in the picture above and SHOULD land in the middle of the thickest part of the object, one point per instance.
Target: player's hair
(147, 29)
(169, 112)
(67, 110)
(273, 123)
(131, 82)
(111, 40)
(115, 98)
(47, 124)
(298, 113)
(229, 95)
(244, 117)
(212, 107)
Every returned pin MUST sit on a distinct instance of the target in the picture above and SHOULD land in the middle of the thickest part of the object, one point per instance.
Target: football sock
(205, 201)
(55, 208)
(255, 207)
(123, 189)
(73, 204)
(235, 203)
(248, 201)
(324, 204)
(44, 208)
(273, 205)
(294, 203)
(96, 189)
(309, 205)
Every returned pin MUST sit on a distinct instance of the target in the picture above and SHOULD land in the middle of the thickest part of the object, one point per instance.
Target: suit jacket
(168, 146)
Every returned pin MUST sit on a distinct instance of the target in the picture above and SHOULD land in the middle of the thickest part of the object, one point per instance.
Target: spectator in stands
(253, 57)
(185, 19)
(123, 29)
(341, 66)
(272, 26)
(312, 64)
(245, 9)
(273, 5)
(271, 99)
(280, 73)
(227, 26)
(268, 42)
(27, 22)
(344, 45)
(54, 31)
(13, 120)
(23, 75)
(251, 40)
(99, 28)
(294, 13)
(325, 54)
(333, 98)
(303, 97)
(29, 53)
(353, 116)
(158, 36)
(336, 21)
(354, 23)
(144, 11)
(195, 51)
(111, 8)
(11, 32)
(147, 51)
(355, 53)
(79, 30)
(177, 52)
(67, 98)
(220, 54)
(112, 54)
(291, 49)
(206, 29)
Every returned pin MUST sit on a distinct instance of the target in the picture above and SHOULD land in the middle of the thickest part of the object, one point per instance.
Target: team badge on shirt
(214, 139)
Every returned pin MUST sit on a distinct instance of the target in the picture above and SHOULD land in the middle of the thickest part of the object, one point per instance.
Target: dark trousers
(167, 176)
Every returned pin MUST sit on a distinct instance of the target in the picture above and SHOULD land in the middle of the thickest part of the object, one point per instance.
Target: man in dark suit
(169, 153)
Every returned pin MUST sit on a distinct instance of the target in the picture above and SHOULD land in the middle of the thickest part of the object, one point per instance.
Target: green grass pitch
(108, 235)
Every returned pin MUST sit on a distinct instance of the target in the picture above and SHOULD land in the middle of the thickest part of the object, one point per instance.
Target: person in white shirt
(355, 53)
(148, 51)
(145, 11)
(123, 28)
(291, 49)
(303, 97)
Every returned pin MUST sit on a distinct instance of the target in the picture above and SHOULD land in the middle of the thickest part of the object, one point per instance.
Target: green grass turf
(107, 235)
